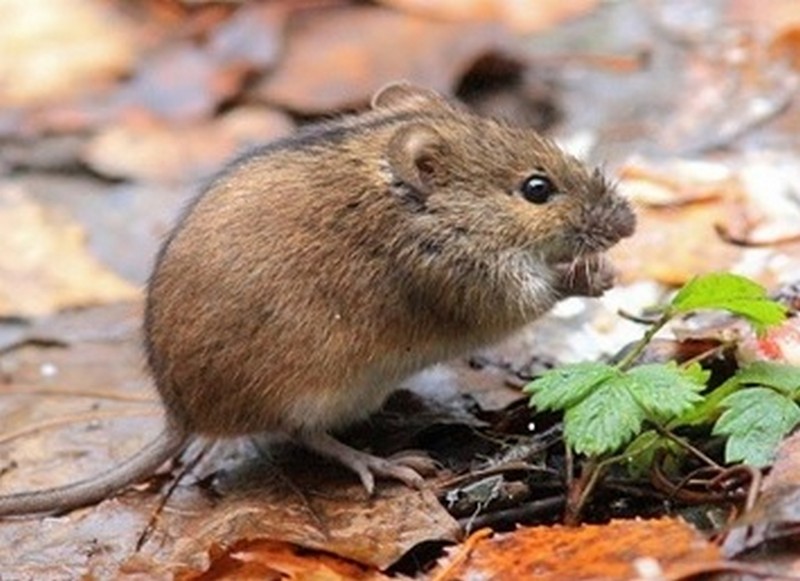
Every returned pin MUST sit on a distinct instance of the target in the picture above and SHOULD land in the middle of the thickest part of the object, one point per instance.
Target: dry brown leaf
(678, 212)
(275, 560)
(773, 15)
(780, 344)
(251, 38)
(180, 83)
(314, 507)
(522, 16)
(775, 515)
(617, 550)
(327, 67)
(786, 45)
(44, 262)
(150, 150)
(50, 51)
(107, 411)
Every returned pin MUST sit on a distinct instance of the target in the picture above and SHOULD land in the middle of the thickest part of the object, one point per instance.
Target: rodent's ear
(416, 155)
(404, 94)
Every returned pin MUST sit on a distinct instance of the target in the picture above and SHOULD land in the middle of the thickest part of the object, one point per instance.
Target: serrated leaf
(781, 377)
(664, 390)
(708, 409)
(755, 421)
(784, 378)
(730, 292)
(605, 419)
(707, 290)
(566, 386)
(696, 373)
(755, 447)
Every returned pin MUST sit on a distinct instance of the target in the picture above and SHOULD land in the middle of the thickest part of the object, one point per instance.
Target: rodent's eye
(537, 189)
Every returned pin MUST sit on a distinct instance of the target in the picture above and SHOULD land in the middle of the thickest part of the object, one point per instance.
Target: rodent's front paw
(589, 276)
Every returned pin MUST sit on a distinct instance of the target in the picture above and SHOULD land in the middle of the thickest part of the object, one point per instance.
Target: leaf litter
(154, 97)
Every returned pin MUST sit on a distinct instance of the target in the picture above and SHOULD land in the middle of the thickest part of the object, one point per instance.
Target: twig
(90, 393)
(521, 513)
(727, 236)
(75, 419)
(753, 476)
(686, 446)
(151, 523)
(34, 342)
(491, 471)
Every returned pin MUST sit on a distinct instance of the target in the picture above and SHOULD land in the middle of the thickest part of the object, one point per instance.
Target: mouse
(315, 273)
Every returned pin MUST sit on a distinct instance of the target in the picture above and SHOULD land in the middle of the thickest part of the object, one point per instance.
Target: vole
(315, 273)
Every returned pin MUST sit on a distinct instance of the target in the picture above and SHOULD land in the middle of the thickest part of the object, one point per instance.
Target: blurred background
(113, 113)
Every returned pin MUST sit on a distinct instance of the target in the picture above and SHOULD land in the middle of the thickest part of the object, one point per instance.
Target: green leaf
(756, 420)
(605, 419)
(696, 373)
(709, 409)
(781, 377)
(640, 453)
(729, 292)
(566, 386)
(664, 390)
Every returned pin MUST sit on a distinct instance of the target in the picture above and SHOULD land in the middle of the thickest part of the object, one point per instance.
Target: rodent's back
(258, 294)
(327, 266)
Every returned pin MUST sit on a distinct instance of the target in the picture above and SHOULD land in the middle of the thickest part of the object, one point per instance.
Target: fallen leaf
(251, 39)
(326, 67)
(522, 16)
(86, 403)
(276, 560)
(780, 344)
(151, 150)
(180, 83)
(50, 51)
(314, 511)
(44, 263)
(607, 552)
(678, 211)
(771, 16)
(775, 515)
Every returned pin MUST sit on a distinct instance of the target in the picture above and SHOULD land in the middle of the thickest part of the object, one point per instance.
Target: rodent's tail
(170, 442)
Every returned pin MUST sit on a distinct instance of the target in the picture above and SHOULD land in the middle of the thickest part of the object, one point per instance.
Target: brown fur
(315, 274)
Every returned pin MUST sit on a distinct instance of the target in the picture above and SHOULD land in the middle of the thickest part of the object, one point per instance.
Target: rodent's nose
(626, 220)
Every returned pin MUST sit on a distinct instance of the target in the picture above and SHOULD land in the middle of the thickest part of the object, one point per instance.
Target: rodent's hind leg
(365, 465)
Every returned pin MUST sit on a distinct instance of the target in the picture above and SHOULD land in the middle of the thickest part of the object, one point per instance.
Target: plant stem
(637, 350)
(686, 446)
(582, 489)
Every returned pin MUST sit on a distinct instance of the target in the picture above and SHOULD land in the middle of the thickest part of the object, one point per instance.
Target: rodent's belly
(332, 409)
(357, 399)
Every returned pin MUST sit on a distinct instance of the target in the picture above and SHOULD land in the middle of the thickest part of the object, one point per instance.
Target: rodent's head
(496, 188)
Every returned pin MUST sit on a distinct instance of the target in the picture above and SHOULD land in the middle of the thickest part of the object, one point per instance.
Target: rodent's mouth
(586, 261)
(586, 275)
